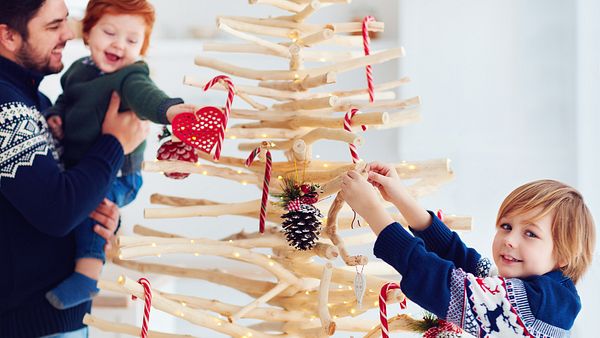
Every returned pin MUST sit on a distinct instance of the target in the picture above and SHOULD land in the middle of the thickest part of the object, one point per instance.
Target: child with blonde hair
(544, 243)
(117, 33)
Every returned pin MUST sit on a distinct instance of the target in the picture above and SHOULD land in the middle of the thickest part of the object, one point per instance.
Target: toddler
(544, 242)
(117, 33)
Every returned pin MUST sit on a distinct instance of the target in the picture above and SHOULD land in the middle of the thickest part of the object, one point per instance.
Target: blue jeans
(123, 191)
(81, 333)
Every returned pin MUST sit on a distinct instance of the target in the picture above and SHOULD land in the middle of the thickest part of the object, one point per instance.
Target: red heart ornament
(200, 129)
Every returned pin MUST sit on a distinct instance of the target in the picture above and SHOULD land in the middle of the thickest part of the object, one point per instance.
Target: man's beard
(29, 58)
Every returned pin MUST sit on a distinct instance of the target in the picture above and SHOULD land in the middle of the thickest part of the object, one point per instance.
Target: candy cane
(230, 95)
(147, 305)
(348, 127)
(366, 42)
(266, 181)
(383, 308)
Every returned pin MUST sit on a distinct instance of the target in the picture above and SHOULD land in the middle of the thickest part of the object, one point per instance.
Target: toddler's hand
(55, 125)
(385, 178)
(178, 109)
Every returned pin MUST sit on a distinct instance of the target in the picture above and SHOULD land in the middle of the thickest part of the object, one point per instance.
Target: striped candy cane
(366, 42)
(383, 308)
(266, 181)
(230, 95)
(348, 127)
(147, 305)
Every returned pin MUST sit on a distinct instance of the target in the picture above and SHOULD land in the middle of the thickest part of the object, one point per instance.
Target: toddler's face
(524, 248)
(116, 41)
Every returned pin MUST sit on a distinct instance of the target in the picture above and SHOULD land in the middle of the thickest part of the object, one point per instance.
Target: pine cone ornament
(302, 227)
(176, 151)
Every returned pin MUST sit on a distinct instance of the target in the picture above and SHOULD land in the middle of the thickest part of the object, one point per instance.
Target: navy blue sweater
(39, 206)
(446, 277)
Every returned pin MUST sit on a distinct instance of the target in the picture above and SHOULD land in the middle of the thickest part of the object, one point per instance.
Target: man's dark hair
(17, 13)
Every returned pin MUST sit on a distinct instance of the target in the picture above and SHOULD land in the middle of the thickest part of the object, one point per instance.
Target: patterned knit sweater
(39, 206)
(443, 276)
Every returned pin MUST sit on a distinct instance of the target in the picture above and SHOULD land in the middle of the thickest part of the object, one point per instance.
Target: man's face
(48, 34)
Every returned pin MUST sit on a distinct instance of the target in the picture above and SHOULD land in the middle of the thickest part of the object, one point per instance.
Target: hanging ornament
(175, 151)
(439, 328)
(267, 179)
(301, 224)
(360, 285)
(205, 128)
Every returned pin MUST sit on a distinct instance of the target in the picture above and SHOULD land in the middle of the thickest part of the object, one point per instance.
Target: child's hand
(361, 197)
(385, 178)
(55, 125)
(178, 109)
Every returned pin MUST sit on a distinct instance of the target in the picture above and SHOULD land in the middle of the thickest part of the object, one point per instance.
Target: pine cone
(176, 151)
(302, 227)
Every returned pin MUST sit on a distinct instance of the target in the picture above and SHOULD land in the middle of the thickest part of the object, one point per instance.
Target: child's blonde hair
(573, 231)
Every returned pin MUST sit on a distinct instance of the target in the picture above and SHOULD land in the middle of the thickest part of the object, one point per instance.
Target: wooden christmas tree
(289, 112)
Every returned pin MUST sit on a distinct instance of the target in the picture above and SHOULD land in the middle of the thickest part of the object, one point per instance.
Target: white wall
(510, 95)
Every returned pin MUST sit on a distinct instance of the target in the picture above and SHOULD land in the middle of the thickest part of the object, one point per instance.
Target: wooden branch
(248, 286)
(402, 323)
(262, 133)
(308, 55)
(196, 168)
(317, 103)
(214, 249)
(296, 58)
(203, 210)
(195, 316)
(367, 119)
(307, 83)
(280, 287)
(145, 231)
(333, 186)
(278, 49)
(257, 28)
(306, 28)
(315, 38)
(401, 119)
(282, 4)
(339, 67)
(331, 232)
(326, 322)
(309, 10)
(131, 330)
(310, 138)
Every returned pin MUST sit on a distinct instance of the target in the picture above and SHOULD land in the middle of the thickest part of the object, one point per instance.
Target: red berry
(305, 188)
(176, 151)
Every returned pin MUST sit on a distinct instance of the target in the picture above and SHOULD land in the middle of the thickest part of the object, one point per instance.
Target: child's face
(523, 248)
(116, 41)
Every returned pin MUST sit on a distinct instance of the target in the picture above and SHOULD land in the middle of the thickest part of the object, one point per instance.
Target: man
(39, 202)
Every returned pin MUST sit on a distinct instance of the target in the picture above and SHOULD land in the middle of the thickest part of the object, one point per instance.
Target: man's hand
(107, 216)
(178, 109)
(55, 125)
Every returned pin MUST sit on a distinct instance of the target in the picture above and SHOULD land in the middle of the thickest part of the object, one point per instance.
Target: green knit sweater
(85, 98)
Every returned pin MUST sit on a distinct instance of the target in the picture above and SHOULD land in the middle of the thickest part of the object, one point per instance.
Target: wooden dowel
(296, 60)
(257, 29)
(305, 84)
(196, 168)
(326, 322)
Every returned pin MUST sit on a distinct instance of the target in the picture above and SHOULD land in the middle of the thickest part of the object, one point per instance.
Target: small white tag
(360, 284)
